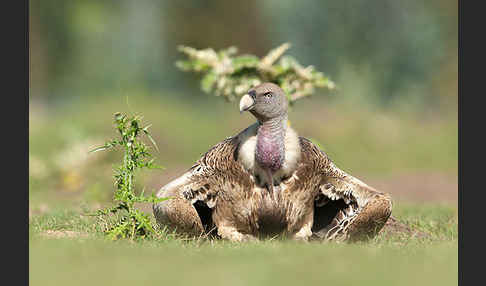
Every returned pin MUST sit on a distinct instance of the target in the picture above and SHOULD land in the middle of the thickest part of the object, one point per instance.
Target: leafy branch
(132, 222)
(231, 76)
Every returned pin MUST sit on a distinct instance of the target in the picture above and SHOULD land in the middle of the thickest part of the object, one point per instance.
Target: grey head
(265, 101)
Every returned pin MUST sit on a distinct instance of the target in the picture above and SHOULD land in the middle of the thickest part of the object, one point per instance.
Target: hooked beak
(246, 103)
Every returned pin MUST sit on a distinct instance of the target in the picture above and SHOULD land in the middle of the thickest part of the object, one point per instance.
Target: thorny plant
(232, 76)
(130, 222)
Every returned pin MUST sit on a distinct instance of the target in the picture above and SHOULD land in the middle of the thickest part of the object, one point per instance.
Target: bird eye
(268, 94)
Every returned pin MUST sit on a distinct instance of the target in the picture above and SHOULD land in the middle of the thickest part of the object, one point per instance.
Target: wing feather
(217, 172)
(334, 182)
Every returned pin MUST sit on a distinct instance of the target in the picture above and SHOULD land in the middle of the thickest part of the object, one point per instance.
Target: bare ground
(63, 234)
(418, 187)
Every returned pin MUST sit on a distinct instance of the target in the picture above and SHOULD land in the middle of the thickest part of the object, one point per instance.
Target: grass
(101, 263)
(386, 260)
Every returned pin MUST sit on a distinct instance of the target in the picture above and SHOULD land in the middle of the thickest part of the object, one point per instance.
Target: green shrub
(231, 76)
(130, 222)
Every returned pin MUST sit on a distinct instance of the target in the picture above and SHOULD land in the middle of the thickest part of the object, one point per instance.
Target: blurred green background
(392, 121)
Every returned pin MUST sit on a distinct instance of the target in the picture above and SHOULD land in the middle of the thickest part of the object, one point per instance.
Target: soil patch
(64, 234)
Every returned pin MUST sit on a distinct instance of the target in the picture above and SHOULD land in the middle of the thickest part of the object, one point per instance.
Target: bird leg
(305, 232)
(232, 234)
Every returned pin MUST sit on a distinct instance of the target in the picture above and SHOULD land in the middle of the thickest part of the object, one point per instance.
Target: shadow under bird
(267, 180)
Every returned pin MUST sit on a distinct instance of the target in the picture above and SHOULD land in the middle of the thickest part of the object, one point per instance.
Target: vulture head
(265, 101)
(275, 144)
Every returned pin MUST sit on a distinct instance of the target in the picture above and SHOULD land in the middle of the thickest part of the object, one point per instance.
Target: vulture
(268, 181)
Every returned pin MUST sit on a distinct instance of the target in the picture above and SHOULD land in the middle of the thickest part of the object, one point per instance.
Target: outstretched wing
(345, 206)
(215, 173)
(333, 182)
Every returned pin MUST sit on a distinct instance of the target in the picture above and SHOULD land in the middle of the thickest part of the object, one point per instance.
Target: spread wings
(220, 182)
(218, 175)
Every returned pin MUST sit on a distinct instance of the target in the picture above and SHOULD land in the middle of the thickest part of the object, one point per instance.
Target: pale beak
(246, 102)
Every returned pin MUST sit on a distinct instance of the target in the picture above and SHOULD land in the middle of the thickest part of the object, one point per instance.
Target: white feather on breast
(246, 153)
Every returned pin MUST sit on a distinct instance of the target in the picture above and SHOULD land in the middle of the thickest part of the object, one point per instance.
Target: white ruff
(246, 153)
